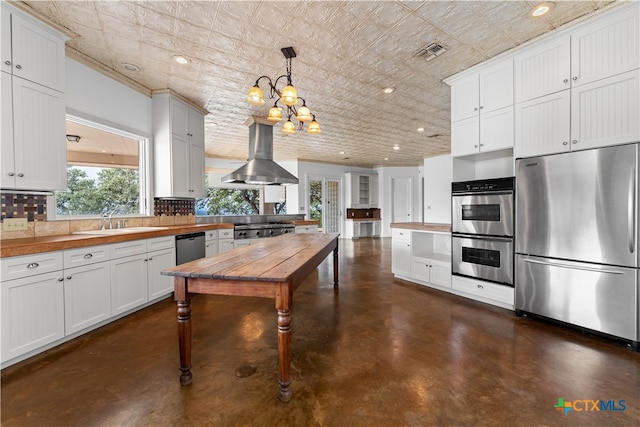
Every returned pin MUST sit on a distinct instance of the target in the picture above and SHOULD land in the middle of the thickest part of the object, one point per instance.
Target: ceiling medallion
(288, 96)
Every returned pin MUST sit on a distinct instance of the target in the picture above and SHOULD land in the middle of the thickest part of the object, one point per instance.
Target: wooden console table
(270, 268)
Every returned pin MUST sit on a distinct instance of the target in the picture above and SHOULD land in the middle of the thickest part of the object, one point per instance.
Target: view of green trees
(224, 201)
(315, 201)
(113, 188)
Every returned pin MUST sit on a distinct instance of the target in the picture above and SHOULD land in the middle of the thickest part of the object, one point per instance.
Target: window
(106, 171)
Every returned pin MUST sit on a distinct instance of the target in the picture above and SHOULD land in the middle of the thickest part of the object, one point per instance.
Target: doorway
(402, 189)
(325, 203)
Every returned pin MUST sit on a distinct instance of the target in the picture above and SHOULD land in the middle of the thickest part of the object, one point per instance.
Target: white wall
(385, 177)
(94, 96)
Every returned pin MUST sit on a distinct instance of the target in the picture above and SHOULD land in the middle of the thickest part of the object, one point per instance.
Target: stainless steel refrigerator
(577, 239)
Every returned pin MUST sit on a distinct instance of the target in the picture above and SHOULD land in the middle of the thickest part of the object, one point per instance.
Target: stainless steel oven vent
(431, 51)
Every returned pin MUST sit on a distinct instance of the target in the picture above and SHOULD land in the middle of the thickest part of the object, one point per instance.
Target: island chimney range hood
(260, 167)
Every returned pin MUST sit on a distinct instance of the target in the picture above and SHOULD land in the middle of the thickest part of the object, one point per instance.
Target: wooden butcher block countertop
(34, 245)
(423, 226)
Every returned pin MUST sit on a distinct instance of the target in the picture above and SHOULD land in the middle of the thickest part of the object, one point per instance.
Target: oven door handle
(481, 193)
(480, 237)
(573, 267)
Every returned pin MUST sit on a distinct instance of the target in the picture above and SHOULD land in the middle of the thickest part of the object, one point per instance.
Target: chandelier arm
(263, 77)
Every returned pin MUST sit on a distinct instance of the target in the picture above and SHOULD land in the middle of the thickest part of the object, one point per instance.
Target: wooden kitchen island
(269, 268)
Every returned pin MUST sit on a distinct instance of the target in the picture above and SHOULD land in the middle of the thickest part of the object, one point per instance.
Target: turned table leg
(283, 305)
(184, 330)
(335, 266)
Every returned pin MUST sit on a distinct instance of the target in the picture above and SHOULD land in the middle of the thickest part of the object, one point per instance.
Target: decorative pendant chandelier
(288, 96)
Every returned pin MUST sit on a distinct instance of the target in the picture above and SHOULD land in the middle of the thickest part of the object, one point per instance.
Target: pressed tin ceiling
(347, 53)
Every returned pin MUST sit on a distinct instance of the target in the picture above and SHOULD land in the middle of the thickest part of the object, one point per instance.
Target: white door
(333, 207)
(325, 202)
(402, 190)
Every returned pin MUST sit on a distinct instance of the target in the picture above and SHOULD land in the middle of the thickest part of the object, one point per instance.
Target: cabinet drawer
(29, 265)
(159, 243)
(85, 256)
(401, 235)
(484, 290)
(133, 247)
(225, 234)
(210, 235)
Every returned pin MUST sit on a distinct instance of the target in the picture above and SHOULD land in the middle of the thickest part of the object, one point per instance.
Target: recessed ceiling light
(389, 89)
(396, 147)
(182, 60)
(420, 129)
(386, 158)
(342, 152)
(130, 67)
(541, 9)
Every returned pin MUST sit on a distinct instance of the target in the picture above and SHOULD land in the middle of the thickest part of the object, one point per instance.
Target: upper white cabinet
(438, 175)
(33, 105)
(178, 131)
(362, 191)
(482, 110)
(580, 90)
(32, 50)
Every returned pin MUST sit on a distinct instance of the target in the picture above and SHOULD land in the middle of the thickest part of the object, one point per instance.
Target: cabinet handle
(88, 256)
(565, 143)
(19, 67)
(33, 265)
(146, 259)
(574, 78)
(7, 62)
(60, 279)
(68, 277)
(575, 141)
(565, 81)
(475, 109)
(150, 259)
(481, 145)
(480, 287)
(11, 174)
(21, 175)
(475, 146)
(481, 107)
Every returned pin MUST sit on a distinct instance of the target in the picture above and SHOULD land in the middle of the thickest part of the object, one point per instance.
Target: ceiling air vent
(431, 51)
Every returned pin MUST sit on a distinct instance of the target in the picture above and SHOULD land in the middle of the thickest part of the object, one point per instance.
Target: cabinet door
(542, 125)
(6, 143)
(496, 129)
(543, 69)
(179, 112)
(32, 313)
(496, 87)
(440, 273)
(401, 258)
(37, 54)
(5, 40)
(606, 112)
(196, 170)
(87, 296)
(211, 247)
(180, 165)
(465, 136)
(373, 191)
(420, 269)
(39, 135)
(605, 47)
(160, 285)
(128, 283)
(465, 98)
(225, 245)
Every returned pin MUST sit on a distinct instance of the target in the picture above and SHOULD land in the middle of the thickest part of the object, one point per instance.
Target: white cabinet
(32, 50)
(433, 271)
(178, 131)
(161, 254)
(87, 287)
(362, 228)
(241, 243)
(401, 252)
(306, 229)
(362, 190)
(431, 258)
(543, 69)
(211, 242)
(482, 110)
(225, 240)
(128, 276)
(32, 303)
(438, 175)
(480, 290)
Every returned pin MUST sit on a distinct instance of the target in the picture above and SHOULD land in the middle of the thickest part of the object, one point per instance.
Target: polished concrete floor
(380, 352)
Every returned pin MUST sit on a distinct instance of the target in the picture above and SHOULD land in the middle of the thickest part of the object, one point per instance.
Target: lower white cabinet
(225, 240)
(433, 271)
(159, 285)
(491, 293)
(87, 296)
(211, 243)
(357, 229)
(32, 313)
(401, 252)
(306, 228)
(240, 243)
(128, 283)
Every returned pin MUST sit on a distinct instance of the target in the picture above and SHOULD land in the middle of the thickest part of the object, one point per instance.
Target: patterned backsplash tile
(16, 205)
(173, 207)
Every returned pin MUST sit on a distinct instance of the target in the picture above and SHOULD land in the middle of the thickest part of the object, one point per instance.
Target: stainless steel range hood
(260, 168)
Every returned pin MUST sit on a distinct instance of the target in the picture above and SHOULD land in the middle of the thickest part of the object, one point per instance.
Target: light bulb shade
(275, 114)
(289, 96)
(314, 128)
(255, 96)
(288, 127)
(304, 114)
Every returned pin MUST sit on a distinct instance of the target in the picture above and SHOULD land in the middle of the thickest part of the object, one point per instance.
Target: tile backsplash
(16, 205)
(172, 207)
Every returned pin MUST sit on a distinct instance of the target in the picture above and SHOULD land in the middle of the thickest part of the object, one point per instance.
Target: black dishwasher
(189, 247)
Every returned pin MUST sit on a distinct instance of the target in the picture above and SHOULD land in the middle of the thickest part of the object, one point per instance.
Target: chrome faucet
(107, 217)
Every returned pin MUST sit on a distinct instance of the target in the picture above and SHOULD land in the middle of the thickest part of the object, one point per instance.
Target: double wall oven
(482, 224)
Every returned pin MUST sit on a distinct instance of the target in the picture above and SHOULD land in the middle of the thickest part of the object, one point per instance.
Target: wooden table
(270, 268)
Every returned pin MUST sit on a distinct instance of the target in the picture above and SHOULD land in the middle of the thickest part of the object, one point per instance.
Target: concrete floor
(381, 352)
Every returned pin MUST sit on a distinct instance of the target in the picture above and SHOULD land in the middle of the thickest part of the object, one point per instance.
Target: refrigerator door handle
(573, 267)
(631, 210)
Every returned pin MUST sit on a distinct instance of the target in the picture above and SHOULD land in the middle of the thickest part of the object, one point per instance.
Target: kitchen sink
(112, 231)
